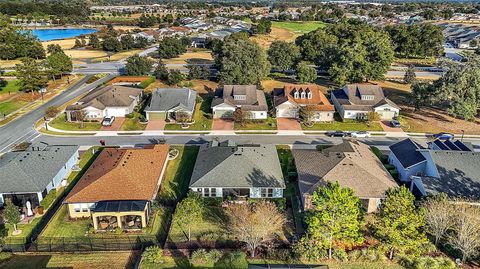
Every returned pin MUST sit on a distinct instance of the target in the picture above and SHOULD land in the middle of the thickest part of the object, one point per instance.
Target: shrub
(232, 260)
(389, 167)
(379, 154)
(153, 254)
(366, 255)
(129, 116)
(427, 263)
(48, 200)
(52, 111)
(4, 256)
(144, 84)
(201, 256)
(339, 254)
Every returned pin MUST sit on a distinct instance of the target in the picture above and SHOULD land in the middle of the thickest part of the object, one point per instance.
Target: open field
(116, 56)
(202, 56)
(276, 34)
(100, 260)
(299, 27)
(13, 86)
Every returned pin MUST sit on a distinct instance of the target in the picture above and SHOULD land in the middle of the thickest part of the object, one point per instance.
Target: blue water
(55, 34)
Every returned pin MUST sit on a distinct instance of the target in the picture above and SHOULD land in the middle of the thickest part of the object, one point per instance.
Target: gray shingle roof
(242, 166)
(350, 97)
(407, 152)
(109, 96)
(254, 99)
(459, 174)
(171, 99)
(32, 170)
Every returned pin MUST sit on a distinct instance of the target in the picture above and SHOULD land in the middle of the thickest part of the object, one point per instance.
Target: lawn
(299, 27)
(133, 124)
(203, 121)
(344, 126)
(10, 106)
(269, 124)
(12, 86)
(177, 176)
(196, 56)
(117, 259)
(61, 123)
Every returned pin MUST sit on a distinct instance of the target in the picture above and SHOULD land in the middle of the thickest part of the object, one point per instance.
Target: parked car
(337, 134)
(360, 134)
(108, 121)
(443, 136)
(395, 124)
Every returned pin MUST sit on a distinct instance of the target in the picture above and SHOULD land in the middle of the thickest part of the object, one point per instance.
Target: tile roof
(350, 97)
(34, 169)
(166, 99)
(288, 94)
(407, 152)
(241, 166)
(351, 163)
(108, 96)
(121, 174)
(254, 99)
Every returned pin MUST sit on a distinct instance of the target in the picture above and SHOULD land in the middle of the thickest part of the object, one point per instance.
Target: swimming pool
(55, 34)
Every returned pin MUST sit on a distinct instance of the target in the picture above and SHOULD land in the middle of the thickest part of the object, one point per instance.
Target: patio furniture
(103, 225)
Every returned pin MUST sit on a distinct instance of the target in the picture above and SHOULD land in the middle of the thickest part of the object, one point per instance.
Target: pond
(55, 34)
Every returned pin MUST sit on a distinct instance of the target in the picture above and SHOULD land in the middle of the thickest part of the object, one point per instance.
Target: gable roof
(350, 97)
(407, 152)
(351, 163)
(254, 99)
(121, 174)
(34, 169)
(287, 93)
(108, 96)
(243, 166)
(166, 99)
(459, 173)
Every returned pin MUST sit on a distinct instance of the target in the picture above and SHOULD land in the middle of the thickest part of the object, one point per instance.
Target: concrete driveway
(288, 124)
(156, 125)
(117, 123)
(223, 125)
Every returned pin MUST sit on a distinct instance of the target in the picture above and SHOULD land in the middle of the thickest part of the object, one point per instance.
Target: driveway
(117, 123)
(288, 124)
(222, 125)
(387, 128)
(155, 125)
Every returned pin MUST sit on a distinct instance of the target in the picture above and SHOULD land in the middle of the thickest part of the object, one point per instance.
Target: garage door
(156, 116)
(387, 115)
(287, 113)
(223, 114)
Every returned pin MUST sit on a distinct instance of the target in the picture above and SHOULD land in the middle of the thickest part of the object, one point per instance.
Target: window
(267, 193)
(206, 192)
(76, 208)
(303, 95)
(213, 192)
(84, 207)
(295, 95)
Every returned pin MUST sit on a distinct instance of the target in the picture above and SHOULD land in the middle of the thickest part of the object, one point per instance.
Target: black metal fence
(75, 244)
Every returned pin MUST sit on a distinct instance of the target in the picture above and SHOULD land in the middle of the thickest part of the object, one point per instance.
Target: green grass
(10, 106)
(97, 260)
(268, 124)
(177, 176)
(202, 122)
(341, 265)
(132, 124)
(183, 262)
(299, 27)
(344, 126)
(61, 123)
(12, 86)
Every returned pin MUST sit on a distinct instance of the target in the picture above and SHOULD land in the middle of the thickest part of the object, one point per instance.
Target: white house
(354, 101)
(245, 97)
(113, 100)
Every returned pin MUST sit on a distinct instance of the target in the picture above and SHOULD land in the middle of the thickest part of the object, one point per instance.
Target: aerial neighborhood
(239, 134)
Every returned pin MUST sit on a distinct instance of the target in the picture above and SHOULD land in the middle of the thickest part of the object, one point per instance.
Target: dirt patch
(277, 34)
(204, 86)
(200, 57)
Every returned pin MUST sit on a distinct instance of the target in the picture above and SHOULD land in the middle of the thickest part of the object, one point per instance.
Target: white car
(360, 134)
(108, 121)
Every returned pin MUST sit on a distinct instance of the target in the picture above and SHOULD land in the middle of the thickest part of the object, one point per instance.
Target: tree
(305, 73)
(146, 21)
(421, 94)
(170, 47)
(242, 62)
(11, 214)
(80, 116)
(189, 212)
(264, 26)
(161, 71)
(283, 55)
(111, 43)
(141, 42)
(94, 42)
(466, 235)
(254, 224)
(399, 224)
(439, 216)
(421, 40)
(58, 64)
(410, 76)
(78, 43)
(52, 111)
(128, 42)
(198, 72)
(307, 113)
(240, 116)
(336, 218)
(30, 75)
(54, 48)
(373, 116)
(175, 77)
(138, 65)
(16, 44)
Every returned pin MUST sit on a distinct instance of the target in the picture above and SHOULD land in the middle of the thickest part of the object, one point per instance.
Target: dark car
(337, 134)
(395, 124)
(443, 136)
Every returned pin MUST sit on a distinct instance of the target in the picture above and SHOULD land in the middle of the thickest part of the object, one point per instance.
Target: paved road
(21, 129)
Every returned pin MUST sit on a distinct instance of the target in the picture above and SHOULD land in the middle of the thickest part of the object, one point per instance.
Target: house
(31, 174)
(166, 103)
(450, 167)
(352, 164)
(291, 98)
(229, 170)
(354, 101)
(198, 42)
(247, 97)
(112, 100)
(117, 189)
